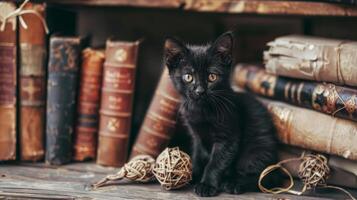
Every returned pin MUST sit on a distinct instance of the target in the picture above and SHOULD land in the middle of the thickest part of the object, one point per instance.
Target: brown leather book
(331, 99)
(116, 102)
(32, 85)
(160, 119)
(85, 136)
(313, 58)
(312, 130)
(8, 79)
(343, 171)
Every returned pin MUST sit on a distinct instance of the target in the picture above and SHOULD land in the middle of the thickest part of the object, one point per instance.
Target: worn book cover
(116, 102)
(312, 130)
(85, 137)
(63, 68)
(160, 119)
(8, 79)
(32, 85)
(313, 58)
(331, 99)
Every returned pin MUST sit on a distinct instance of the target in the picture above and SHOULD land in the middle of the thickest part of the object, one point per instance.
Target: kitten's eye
(188, 78)
(212, 77)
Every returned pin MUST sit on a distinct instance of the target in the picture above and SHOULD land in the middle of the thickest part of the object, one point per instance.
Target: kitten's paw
(205, 190)
(232, 187)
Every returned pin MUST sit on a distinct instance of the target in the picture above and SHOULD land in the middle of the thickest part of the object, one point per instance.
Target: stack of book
(82, 108)
(311, 86)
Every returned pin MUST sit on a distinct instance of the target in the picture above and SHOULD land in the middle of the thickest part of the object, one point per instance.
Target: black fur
(233, 134)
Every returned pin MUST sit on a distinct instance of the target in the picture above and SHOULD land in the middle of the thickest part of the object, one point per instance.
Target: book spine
(160, 120)
(326, 98)
(116, 102)
(315, 131)
(63, 69)
(32, 85)
(85, 138)
(8, 79)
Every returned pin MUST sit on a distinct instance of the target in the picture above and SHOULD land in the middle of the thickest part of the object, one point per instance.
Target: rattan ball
(314, 170)
(140, 168)
(173, 168)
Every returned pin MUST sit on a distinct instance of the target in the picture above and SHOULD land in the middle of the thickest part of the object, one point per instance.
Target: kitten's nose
(199, 90)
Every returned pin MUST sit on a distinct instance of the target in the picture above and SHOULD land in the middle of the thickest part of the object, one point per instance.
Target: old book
(327, 98)
(32, 85)
(312, 130)
(313, 58)
(343, 171)
(116, 102)
(85, 137)
(63, 67)
(8, 62)
(160, 120)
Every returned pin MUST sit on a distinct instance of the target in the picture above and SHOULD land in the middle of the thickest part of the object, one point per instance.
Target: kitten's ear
(223, 47)
(174, 51)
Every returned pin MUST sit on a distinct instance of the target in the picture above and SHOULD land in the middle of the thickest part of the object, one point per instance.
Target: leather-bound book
(160, 120)
(8, 62)
(63, 67)
(85, 137)
(331, 99)
(343, 171)
(313, 58)
(116, 102)
(312, 130)
(32, 85)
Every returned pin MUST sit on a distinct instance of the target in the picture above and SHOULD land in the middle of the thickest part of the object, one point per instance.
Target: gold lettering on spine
(301, 85)
(351, 105)
(120, 55)
(115, 78)
(115, 103)
(113, 124)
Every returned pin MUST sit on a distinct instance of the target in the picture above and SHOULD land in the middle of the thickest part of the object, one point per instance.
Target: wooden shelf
(263, 7)
(40, 181)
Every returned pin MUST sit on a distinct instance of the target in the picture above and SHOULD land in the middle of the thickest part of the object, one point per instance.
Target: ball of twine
(137, 169)
(173, 168)
(314, 170)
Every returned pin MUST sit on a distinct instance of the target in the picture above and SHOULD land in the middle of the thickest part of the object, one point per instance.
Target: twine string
(313, 171)
(19, 12)
(138, 169)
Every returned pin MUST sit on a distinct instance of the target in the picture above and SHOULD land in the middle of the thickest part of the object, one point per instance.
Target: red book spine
(85, 138)
(160, 120)
(8, 79)
(32, 85)
(116, 102)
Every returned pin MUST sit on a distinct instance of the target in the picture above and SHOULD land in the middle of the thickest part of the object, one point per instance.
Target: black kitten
(233, 134)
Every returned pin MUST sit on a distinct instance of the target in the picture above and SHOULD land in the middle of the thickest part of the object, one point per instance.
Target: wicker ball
(173, 168)
(140, 168)
(314, 170)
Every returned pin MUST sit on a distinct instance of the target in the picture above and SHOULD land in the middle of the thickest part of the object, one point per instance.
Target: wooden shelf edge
(260, 7)
(271, 7)
(118, 3)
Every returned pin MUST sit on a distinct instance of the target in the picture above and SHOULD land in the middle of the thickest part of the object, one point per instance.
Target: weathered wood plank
(26, 181)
